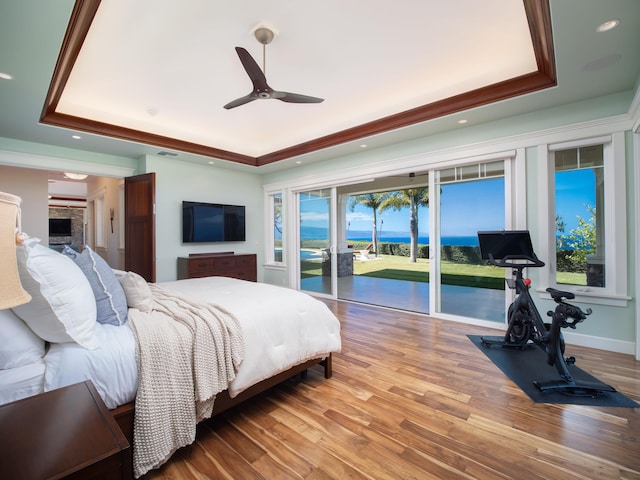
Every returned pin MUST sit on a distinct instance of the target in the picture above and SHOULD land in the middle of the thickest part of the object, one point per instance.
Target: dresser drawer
(201, 267)
(225, 263)
(246, 261)
(245, 274)
(243, 266)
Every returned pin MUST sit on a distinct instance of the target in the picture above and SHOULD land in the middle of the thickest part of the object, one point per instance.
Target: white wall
(177, 181)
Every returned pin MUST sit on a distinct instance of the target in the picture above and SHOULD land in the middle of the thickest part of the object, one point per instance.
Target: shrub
(462, 254)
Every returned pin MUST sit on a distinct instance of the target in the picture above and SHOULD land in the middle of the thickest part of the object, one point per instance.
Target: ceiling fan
(261, 90)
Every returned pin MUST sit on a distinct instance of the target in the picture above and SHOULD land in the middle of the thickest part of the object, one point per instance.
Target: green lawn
(400, 268)
(391, 266)
(397, 267)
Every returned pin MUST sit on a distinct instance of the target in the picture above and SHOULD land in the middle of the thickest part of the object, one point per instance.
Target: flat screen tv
(59, 227)
(212, 222)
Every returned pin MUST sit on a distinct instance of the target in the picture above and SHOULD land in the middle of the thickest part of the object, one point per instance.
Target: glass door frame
(515, 218)
(333, 233)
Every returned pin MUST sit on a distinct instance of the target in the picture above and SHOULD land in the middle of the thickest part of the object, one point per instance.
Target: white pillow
(136, 290)
(18, 344)
(111, 302)
(63, 308)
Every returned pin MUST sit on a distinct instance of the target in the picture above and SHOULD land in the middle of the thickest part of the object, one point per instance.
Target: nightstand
(64, 433)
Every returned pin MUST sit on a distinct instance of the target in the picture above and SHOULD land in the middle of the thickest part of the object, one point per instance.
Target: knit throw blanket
(187, 352)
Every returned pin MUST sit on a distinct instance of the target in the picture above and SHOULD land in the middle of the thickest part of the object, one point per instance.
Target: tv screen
(212, 222)
(59, 227)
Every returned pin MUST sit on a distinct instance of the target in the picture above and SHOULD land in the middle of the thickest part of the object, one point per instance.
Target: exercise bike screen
(500, 244)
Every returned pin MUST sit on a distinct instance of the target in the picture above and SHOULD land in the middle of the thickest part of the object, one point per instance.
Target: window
(275, 248)
(277, 227)
(579, 215)
(582, 207)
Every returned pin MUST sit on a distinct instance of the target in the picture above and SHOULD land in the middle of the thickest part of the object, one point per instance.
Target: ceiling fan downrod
(264, 36)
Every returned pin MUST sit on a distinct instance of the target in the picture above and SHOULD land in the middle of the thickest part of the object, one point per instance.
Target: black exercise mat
(525, 366)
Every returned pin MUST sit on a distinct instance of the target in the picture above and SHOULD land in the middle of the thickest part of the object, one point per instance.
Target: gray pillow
(111, 302)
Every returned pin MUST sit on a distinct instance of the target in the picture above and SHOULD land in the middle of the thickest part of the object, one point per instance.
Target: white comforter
(282, 327)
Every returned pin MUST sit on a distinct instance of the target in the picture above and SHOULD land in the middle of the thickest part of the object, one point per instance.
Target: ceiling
(153, 75)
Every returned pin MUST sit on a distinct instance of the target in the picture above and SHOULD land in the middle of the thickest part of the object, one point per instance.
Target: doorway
(316, 241)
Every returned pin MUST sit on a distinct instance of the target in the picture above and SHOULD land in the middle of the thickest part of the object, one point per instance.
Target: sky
(480, 201)
(467, 207)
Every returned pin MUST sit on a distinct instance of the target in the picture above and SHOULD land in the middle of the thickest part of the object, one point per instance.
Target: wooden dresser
(225, 264)
(64, 433)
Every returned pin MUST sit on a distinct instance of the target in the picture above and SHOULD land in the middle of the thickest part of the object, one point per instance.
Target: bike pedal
(570, 360)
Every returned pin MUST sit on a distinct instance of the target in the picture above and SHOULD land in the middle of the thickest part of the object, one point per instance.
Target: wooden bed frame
(124, 414)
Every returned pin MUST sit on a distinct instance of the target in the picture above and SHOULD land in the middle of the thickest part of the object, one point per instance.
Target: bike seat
(558, 295)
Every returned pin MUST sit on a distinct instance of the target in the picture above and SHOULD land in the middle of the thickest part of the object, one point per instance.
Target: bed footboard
(124, 414)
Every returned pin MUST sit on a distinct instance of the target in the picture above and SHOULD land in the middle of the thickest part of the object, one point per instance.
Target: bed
(280, 332)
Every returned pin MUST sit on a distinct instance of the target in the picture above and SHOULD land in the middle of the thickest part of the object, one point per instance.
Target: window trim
(616, 290)
(269, 234)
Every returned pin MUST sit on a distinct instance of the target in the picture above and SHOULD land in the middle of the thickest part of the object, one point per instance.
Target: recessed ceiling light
(76, 137)
(608, 25)
(298, 162)
(212, 163)
(6, 76)
(364, 145)
(462, 121)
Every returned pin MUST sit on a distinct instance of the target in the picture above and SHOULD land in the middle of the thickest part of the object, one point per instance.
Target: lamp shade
(11, 292)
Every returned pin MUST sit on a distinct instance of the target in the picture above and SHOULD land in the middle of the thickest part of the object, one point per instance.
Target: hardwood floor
(412, 398)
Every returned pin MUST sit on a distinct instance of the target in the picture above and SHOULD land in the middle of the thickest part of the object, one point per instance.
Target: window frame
(615, 290)
(270, 197)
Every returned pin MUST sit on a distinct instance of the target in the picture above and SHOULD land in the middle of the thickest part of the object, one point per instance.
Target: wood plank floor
(412, 398)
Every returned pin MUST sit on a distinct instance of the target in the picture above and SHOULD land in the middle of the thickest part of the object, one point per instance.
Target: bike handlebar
(532, 261)
(564, 311)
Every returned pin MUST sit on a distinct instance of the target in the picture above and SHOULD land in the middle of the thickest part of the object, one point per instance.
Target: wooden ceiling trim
(162, 142)
(539, 17)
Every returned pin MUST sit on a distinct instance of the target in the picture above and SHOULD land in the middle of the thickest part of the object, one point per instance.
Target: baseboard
(601, 343)
(572, 338)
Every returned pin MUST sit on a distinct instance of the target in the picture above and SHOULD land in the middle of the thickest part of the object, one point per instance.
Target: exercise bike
(526, 328)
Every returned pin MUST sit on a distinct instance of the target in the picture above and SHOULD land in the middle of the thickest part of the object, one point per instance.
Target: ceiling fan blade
(296, 98)
(253, 70)
(240, 101)
(261, 90)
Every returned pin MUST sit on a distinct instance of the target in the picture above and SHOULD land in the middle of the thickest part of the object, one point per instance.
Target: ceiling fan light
(75, 176)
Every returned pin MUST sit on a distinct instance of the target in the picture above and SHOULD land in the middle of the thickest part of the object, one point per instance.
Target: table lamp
(11, 292)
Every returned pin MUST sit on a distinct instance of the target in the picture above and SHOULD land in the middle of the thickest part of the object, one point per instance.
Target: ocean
(317, 233)
(464, 241)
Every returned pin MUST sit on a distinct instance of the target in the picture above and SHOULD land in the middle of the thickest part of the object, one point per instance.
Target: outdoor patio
(482, 303)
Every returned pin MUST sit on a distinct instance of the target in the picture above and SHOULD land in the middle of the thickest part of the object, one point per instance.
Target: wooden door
(140, 225)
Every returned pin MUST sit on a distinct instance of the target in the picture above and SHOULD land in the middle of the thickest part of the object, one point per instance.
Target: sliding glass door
(471, 198)
(316, 238)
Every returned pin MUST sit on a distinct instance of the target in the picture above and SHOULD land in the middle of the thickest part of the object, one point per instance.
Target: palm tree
(412, 198)
(373, 201)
